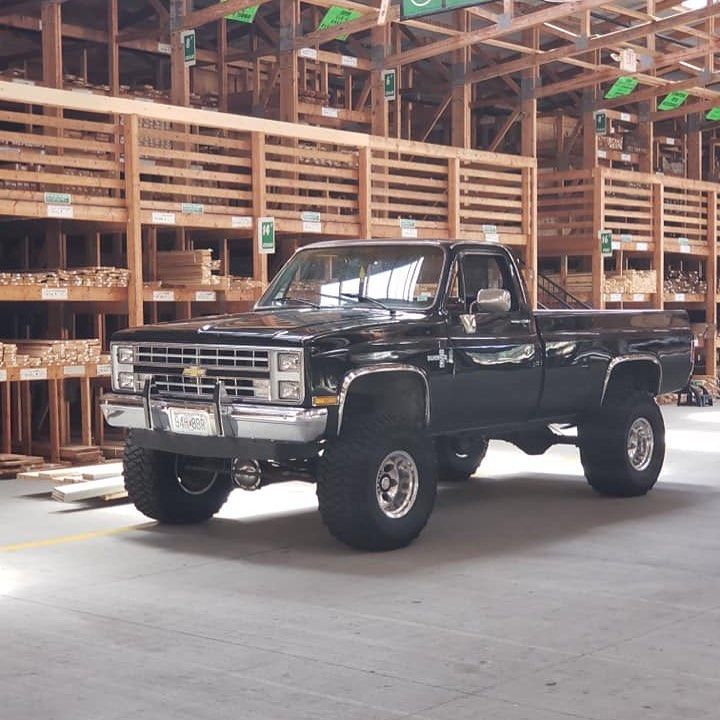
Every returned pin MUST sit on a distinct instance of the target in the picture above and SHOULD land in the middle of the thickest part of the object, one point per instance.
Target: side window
(482, 272)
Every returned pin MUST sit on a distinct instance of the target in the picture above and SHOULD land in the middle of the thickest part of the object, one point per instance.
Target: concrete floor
(528, 597)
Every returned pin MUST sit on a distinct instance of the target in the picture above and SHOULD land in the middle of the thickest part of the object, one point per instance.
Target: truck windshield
(392, 276)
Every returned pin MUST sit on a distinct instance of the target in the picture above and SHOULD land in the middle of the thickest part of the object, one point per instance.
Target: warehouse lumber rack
(655, 219)
(136, 170)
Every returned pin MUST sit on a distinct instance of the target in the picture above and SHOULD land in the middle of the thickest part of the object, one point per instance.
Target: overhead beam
(520, 22)
(595, 43)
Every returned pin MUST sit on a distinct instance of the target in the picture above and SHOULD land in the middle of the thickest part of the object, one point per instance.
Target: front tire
(622, 447)
(158, 491)
(377, 484)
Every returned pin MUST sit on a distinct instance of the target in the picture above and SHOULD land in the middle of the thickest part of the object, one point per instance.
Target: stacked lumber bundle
(631, 282)
(11, 465)
(684, 281)
(104, 481)
(81, 454)
(47, 353)
(245, 284)
(187, 267)
(77, 277)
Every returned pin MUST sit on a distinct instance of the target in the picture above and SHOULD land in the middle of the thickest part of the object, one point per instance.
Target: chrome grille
(244, 372)
(202, 356)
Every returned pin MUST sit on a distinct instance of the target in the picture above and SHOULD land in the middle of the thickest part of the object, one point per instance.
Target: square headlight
(126, 381)
(289, 390)
(288, 362)
(125, 354)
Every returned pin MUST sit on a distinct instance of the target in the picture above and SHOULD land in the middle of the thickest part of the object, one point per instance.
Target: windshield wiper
(361, 298)
(301, 301)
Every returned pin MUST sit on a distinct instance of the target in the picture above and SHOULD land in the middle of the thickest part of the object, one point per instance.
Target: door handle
(521, 321)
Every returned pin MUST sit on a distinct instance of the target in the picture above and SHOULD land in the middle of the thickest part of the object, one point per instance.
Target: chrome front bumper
(251, 422)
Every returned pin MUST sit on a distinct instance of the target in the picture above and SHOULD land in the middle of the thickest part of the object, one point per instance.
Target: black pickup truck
(377, 368)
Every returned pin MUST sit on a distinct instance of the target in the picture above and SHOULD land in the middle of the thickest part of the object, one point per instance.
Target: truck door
(497, 366)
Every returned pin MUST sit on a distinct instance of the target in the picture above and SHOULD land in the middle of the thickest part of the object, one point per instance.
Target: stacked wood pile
(47, 353)
(314, 96)
(245, 284)
(631, 282)
(11, 465)
(684, 281)
(188, 267)
(77, 277)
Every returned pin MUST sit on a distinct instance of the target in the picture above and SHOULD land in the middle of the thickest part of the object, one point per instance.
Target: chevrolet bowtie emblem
(194, 372)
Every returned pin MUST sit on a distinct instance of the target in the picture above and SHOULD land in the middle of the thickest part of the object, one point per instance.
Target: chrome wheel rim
(396, 484)
(640, 444)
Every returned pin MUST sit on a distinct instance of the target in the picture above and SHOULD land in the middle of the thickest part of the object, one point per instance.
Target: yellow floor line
(80, 537)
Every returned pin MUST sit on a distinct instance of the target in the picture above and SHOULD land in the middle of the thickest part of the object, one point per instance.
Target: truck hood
(290, 325)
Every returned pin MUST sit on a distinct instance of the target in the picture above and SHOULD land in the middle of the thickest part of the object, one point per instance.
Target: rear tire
(153, 485)
(376, 484)
(457, 463)
(622, 446)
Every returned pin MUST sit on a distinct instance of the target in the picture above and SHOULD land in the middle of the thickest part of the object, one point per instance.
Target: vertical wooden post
(365, 191)
(179, 71)
(598, 265)
(529, 228)
(134, 221)
(694, 147)
(378, 103)
(86, 411)
(54, 419)
(6, 440)
(658, 210)
(453, 190)
(260, 261)
(460, 102)
(288, 59)
(712, 278)
(113, 49)
(222, 68)
(51, 17)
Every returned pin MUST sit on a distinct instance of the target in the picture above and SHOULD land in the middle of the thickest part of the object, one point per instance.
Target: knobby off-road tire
(455, 464)
(152, 484)
(622, 446)
(371, 455)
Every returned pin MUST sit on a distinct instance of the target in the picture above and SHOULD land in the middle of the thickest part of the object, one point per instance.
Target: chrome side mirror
(492, 300)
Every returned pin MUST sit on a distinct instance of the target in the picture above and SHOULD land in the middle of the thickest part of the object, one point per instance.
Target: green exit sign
(606, 249)
(266, 235)
(417, 8)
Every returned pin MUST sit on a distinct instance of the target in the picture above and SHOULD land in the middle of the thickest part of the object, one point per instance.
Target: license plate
(190, 422)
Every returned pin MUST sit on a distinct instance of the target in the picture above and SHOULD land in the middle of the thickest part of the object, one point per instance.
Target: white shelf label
(241, 221)
(205, 296)
(56, 198)
(602, 154)
(192, 208)
(74, 371)
(625, 117)
(615, 245)
(3, 375)
(615, 297)
(492, 237)
(670, 141)
(311, 227)
(165, 48)
(164, 295)
(329, 112)
(638, 297)
(407, 223)
(409, 232)
(348, 61)
(103, 370)
(64, 212)
(625, 157)
(641, 246)
(309, 53)
(163, 218)
(33, 374)
(679, 297)
(54, 293)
